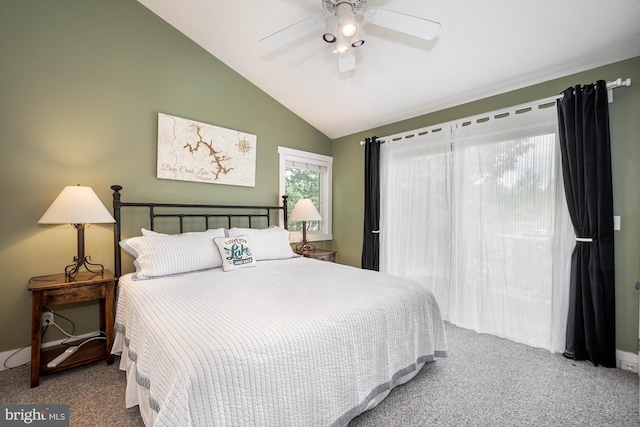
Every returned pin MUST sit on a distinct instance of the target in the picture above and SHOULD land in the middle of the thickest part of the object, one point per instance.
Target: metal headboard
(188, 211)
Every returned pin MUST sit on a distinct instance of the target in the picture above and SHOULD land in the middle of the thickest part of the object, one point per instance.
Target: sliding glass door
(476, 212)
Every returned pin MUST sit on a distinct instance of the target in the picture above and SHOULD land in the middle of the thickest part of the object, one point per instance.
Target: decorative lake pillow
(235, 252)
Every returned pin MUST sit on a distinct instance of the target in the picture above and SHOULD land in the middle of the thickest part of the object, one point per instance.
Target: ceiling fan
(343, 18)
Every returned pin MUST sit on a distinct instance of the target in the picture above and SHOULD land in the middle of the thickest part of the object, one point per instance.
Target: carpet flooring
(485, 381)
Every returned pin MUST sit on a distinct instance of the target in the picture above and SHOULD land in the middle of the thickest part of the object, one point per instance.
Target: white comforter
(294, 342)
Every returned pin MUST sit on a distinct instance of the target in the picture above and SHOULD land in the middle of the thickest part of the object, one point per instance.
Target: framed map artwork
(194, 151)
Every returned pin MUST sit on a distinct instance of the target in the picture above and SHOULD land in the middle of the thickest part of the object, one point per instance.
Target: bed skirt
(138, 395)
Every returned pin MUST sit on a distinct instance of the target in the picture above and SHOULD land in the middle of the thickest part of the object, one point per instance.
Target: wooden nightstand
(321, 254)
(55, 290)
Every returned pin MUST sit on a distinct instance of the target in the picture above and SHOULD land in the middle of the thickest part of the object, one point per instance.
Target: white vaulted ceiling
(483, 48)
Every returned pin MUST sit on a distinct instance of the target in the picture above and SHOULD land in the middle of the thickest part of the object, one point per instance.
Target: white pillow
(165, 254)
(235, 252)
(266, 243)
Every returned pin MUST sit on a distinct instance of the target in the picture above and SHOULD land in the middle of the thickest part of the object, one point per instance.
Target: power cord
(70, 336)
(101, 336)
(44, 331)
(91, 339)
(12, 355)
(73, 325)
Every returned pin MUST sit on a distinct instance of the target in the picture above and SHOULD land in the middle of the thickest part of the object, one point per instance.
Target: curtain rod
(619, 82)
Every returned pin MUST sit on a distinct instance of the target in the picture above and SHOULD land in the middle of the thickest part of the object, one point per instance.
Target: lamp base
(71, 270)
(304, 246)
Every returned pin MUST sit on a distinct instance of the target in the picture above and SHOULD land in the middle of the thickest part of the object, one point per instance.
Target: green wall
(81, 84)
(625, 146)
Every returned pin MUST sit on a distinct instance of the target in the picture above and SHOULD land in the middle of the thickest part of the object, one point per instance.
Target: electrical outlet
(47, 318)
(629, 366)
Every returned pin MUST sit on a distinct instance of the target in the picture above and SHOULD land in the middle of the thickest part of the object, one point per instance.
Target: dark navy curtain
(370, 235)
(583, 119)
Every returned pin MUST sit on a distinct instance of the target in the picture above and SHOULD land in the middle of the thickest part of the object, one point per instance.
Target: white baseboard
(20, 356)
(627, 361)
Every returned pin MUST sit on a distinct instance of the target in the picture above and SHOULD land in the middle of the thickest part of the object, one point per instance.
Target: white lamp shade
(76, 205)
(305, 210)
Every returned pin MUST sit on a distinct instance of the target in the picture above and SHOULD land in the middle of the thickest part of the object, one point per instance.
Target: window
(305, 175)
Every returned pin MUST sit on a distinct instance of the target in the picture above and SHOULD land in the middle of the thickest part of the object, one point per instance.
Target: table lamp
(78, 206)
(304, 211)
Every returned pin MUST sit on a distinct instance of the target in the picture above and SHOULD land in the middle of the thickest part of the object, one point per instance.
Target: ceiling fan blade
(346, 60)
(290, 31)
(412, 25)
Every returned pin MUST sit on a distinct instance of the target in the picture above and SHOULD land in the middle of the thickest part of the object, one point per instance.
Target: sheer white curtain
(476, 212)
(416, 211)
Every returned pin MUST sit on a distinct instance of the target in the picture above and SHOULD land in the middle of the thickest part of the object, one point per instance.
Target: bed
(228, 326)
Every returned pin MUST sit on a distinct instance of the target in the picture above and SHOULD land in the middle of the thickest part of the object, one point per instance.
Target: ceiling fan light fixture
(349, 29)
(331, 30)
(358, 39)
(329, 38)
(346, 19)
(342, 44)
